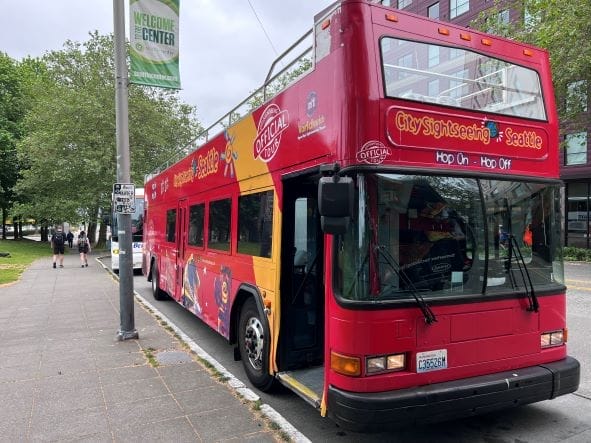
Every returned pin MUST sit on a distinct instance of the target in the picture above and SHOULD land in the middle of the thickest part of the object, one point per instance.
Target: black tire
(158, 293)
(253, 343)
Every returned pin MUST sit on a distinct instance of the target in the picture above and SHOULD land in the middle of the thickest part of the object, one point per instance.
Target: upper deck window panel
(466, 79)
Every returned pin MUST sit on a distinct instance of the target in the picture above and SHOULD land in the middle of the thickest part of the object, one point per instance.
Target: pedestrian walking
(70, 238)
(58, 240)
(83, 249)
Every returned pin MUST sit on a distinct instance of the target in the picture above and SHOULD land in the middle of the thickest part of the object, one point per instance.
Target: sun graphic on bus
(493, 129)
(229, 155)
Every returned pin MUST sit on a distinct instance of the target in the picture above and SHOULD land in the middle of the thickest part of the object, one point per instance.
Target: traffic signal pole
(127, 322)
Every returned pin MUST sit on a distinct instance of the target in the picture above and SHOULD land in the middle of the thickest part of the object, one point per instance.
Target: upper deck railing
(273, 85)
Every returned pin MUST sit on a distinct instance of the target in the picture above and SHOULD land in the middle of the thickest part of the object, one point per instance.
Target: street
(565, 419)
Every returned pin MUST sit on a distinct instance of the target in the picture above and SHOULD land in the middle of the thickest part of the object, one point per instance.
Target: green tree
(12, 110)
(280, 81)
(565, 31)
(70, 146)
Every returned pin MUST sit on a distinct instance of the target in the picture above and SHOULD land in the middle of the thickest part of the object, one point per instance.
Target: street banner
(154, 43)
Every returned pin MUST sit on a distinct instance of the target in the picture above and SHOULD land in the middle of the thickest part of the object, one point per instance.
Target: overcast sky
(224, 52)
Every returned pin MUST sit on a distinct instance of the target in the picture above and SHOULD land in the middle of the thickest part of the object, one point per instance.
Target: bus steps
(307, 383)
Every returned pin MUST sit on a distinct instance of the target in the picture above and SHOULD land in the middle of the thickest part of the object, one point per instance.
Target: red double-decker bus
(384, 235)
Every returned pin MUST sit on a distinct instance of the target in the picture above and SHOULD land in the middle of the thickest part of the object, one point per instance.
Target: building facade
(575, 155)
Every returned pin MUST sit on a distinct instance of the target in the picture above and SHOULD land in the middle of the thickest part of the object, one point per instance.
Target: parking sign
(124, 198)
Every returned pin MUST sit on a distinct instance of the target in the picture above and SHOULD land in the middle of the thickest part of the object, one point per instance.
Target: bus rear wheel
(158, 293)
(254, 346)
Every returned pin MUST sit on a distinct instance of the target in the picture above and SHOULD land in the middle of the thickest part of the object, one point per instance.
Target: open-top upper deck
(388, 88)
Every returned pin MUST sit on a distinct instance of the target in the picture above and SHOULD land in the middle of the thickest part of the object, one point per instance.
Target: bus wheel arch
(244, 292)
(157, 293)
(252, 334)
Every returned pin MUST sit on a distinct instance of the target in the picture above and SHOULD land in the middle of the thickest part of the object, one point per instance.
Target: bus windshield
(457, 77)
(449, 237)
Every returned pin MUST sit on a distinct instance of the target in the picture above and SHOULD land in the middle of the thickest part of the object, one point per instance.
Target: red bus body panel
(338, 114)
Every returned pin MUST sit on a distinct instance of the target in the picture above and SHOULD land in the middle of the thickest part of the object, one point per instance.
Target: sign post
(122, 187)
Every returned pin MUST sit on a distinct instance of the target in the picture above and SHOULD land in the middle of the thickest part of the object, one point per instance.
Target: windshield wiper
(422, 304)
(358, 274)
(529, 287)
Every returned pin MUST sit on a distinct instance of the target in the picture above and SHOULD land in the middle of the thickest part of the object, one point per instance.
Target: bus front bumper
(376, 411)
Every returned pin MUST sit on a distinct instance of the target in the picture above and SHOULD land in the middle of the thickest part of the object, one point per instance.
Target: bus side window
(219, 225)
(255, 224)
(196, 216)
(171, 225)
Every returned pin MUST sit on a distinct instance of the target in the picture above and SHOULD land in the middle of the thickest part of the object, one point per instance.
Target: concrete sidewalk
(64, 376)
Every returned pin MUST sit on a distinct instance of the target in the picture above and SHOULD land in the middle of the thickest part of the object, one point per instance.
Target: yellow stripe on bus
(239, 153)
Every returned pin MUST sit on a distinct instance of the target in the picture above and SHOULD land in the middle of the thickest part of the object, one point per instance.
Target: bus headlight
(115, 251)
(385, 363)
(554, 338)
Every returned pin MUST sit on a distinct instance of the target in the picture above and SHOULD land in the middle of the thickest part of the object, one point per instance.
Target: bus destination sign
(124, 198)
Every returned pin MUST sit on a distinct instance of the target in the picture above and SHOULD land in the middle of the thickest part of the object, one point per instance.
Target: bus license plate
(432, 360)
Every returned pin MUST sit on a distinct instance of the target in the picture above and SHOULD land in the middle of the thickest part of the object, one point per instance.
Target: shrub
(577, 254)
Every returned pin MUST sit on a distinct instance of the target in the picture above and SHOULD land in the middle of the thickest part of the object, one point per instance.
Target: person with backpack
(58, 239)
(83, 248)
(70, 238)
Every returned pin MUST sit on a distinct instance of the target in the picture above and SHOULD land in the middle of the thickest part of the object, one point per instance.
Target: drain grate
(172, 357)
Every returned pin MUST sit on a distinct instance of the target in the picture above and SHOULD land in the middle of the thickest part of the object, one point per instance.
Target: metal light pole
(127, 323)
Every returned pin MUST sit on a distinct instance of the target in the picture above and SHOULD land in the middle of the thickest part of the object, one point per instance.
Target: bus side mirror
(335, 203)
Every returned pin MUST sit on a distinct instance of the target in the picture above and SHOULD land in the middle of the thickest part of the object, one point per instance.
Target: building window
(458, 7)
(255, 224)
(433, 11)
(404, 3)
(504, 17)
(219, 225)
(578, 212)
(576, 96)
(456, 53)
(433, 55)
(196, 216)
(531, 20)
(433, 88)
(457, 88)
(406, 62)
(171, 225)
(576, 148)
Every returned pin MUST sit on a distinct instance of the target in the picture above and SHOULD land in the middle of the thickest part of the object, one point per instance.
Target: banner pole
(127, 323)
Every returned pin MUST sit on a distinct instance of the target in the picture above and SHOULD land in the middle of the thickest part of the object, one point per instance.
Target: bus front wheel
(254, 346)
(156, 291)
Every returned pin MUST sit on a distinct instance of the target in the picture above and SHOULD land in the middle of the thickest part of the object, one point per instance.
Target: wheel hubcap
(253, 342)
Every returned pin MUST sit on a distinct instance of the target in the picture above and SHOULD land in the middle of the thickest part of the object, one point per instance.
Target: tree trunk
(91, 231)
(3, 224)
(44, 235)
(15, 228)
(102, 238)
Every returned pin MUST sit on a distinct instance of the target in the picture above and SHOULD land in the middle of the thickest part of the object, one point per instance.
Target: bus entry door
(181, 235)
(302, 291)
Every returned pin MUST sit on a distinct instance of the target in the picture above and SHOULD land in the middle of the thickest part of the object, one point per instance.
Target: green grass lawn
(22, 254)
